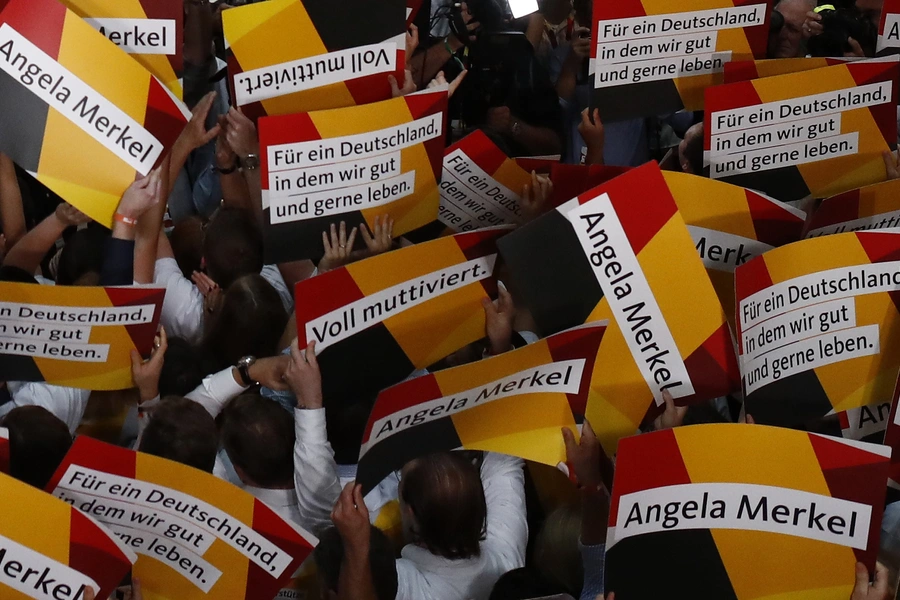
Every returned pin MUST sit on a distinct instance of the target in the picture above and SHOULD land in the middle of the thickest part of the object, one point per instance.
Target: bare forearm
(355, 580)
(12, 215)
(234, 190)
(254, 189)
(35, 244)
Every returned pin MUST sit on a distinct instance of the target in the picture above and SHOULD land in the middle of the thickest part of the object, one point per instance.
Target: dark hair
(445, 494)
(182, 369)
(38, 442)
(82, 254)
(329, 555)
(182, 430)
(251, 320)
(187, 244)
(258, 435)
(233, 246)
(523, 584)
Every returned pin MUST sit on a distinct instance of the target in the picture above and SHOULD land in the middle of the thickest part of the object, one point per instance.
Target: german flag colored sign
(396, 312)
(868, 208)
(622, 252)
(648, 59)
(745, 70)
(350, 164)
(77, 111)
(79, 337)
(150, 30)
(892, 440)
(514, 403)
(4, 450)
(731, 225)
(570, 181)
(818, 132)
(816, 327)
(791, 523)
(196, 536)
(480, 185)
(889, 28)
(50, 550)
(288, 56)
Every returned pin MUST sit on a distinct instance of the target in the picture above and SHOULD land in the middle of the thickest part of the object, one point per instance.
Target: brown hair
(446, 496)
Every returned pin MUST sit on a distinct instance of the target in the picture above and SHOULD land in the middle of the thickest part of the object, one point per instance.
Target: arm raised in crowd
(12, 213)
(34, 245)
(243, 139)
(351, 518)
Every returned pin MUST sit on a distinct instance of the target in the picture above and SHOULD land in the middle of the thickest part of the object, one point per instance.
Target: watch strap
(244, 372)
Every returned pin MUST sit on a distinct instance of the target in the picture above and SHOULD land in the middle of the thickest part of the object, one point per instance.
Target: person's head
(690, 150)
(870, 9)
(250, 321)
(182, 369)
(187, 244)
(232, 246)
(258, 435)
(556, 554)
(38, 442)
(442, 505)
(789, 42)
(182, 430)
(329, 555)
(81, 259)
(524, 583)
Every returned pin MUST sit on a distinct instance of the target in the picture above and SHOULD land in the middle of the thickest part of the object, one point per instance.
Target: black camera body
(838, 26)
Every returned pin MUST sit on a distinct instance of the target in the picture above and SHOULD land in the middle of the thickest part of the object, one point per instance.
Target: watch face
(251, 162)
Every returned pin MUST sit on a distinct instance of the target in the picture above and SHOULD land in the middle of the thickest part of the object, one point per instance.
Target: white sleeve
(271, 274)
(411, 584)
(215, 391)
(503, 478)
(316, 478)
(66, 403)
(182, 309)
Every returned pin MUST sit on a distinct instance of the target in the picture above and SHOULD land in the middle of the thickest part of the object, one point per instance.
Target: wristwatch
(243, 366)
(250, 162)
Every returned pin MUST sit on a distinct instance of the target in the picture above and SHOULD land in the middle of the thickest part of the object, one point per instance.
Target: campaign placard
(196, 536)
(866, 423)
(288, 56)
(745, 70)
(622, 252)
(870, 208)
(816, 320)
(814, 133)
(731, 225)
(79, 337)
(797, 494)
(480, 185)
(75, 110)
(892, 440)
(514, 403)
(888, 41)
(648, 60)
(396, 312)
(4, 450)
(150, 30)
(570, 181)
(50, 550)
(350, 164)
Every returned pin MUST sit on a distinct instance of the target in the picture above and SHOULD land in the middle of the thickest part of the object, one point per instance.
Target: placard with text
(50, 550)
(480, 185)
(813, 133)
(892, 440)
(868, 208)
(817, 320)
(396, 312)
(350, 164)
(570, 181)
(745, 70)
(196, 535)
(889, 29)
(77, 111)
(731, 225)
(648, 59)
(791, 523)
(150, 30)
(288, 56)
(514, 403)
(622, 252)
(79, 337)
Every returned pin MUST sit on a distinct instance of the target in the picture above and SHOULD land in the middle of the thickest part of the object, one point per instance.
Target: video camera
(839, 24)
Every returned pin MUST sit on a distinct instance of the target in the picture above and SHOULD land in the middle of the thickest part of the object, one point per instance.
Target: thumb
(569, 440)
(862, 577)
(395, 89)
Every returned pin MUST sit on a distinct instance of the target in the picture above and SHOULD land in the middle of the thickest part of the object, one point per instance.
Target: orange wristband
(123, 219)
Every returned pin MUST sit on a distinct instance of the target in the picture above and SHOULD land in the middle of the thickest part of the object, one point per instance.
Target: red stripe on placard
(482, 150)
(45, 32)
(93, 553)
(261, 585)
(836, 209)
(322, 294)
(620, 9)
(401, 396)
(751, 277)
(633, 460)
(726, 97)
(741, 70)
(142, 335)
(880, 246)
(580, 343)
(758, 35)
(374, 88)
(100, 455)
(774, 225)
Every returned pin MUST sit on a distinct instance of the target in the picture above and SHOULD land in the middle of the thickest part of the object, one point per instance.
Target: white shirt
(182, 310)
(316, 478)
(425, 576)
(67, 404)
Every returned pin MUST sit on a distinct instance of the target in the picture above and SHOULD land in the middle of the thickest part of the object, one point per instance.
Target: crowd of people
(227, 389)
